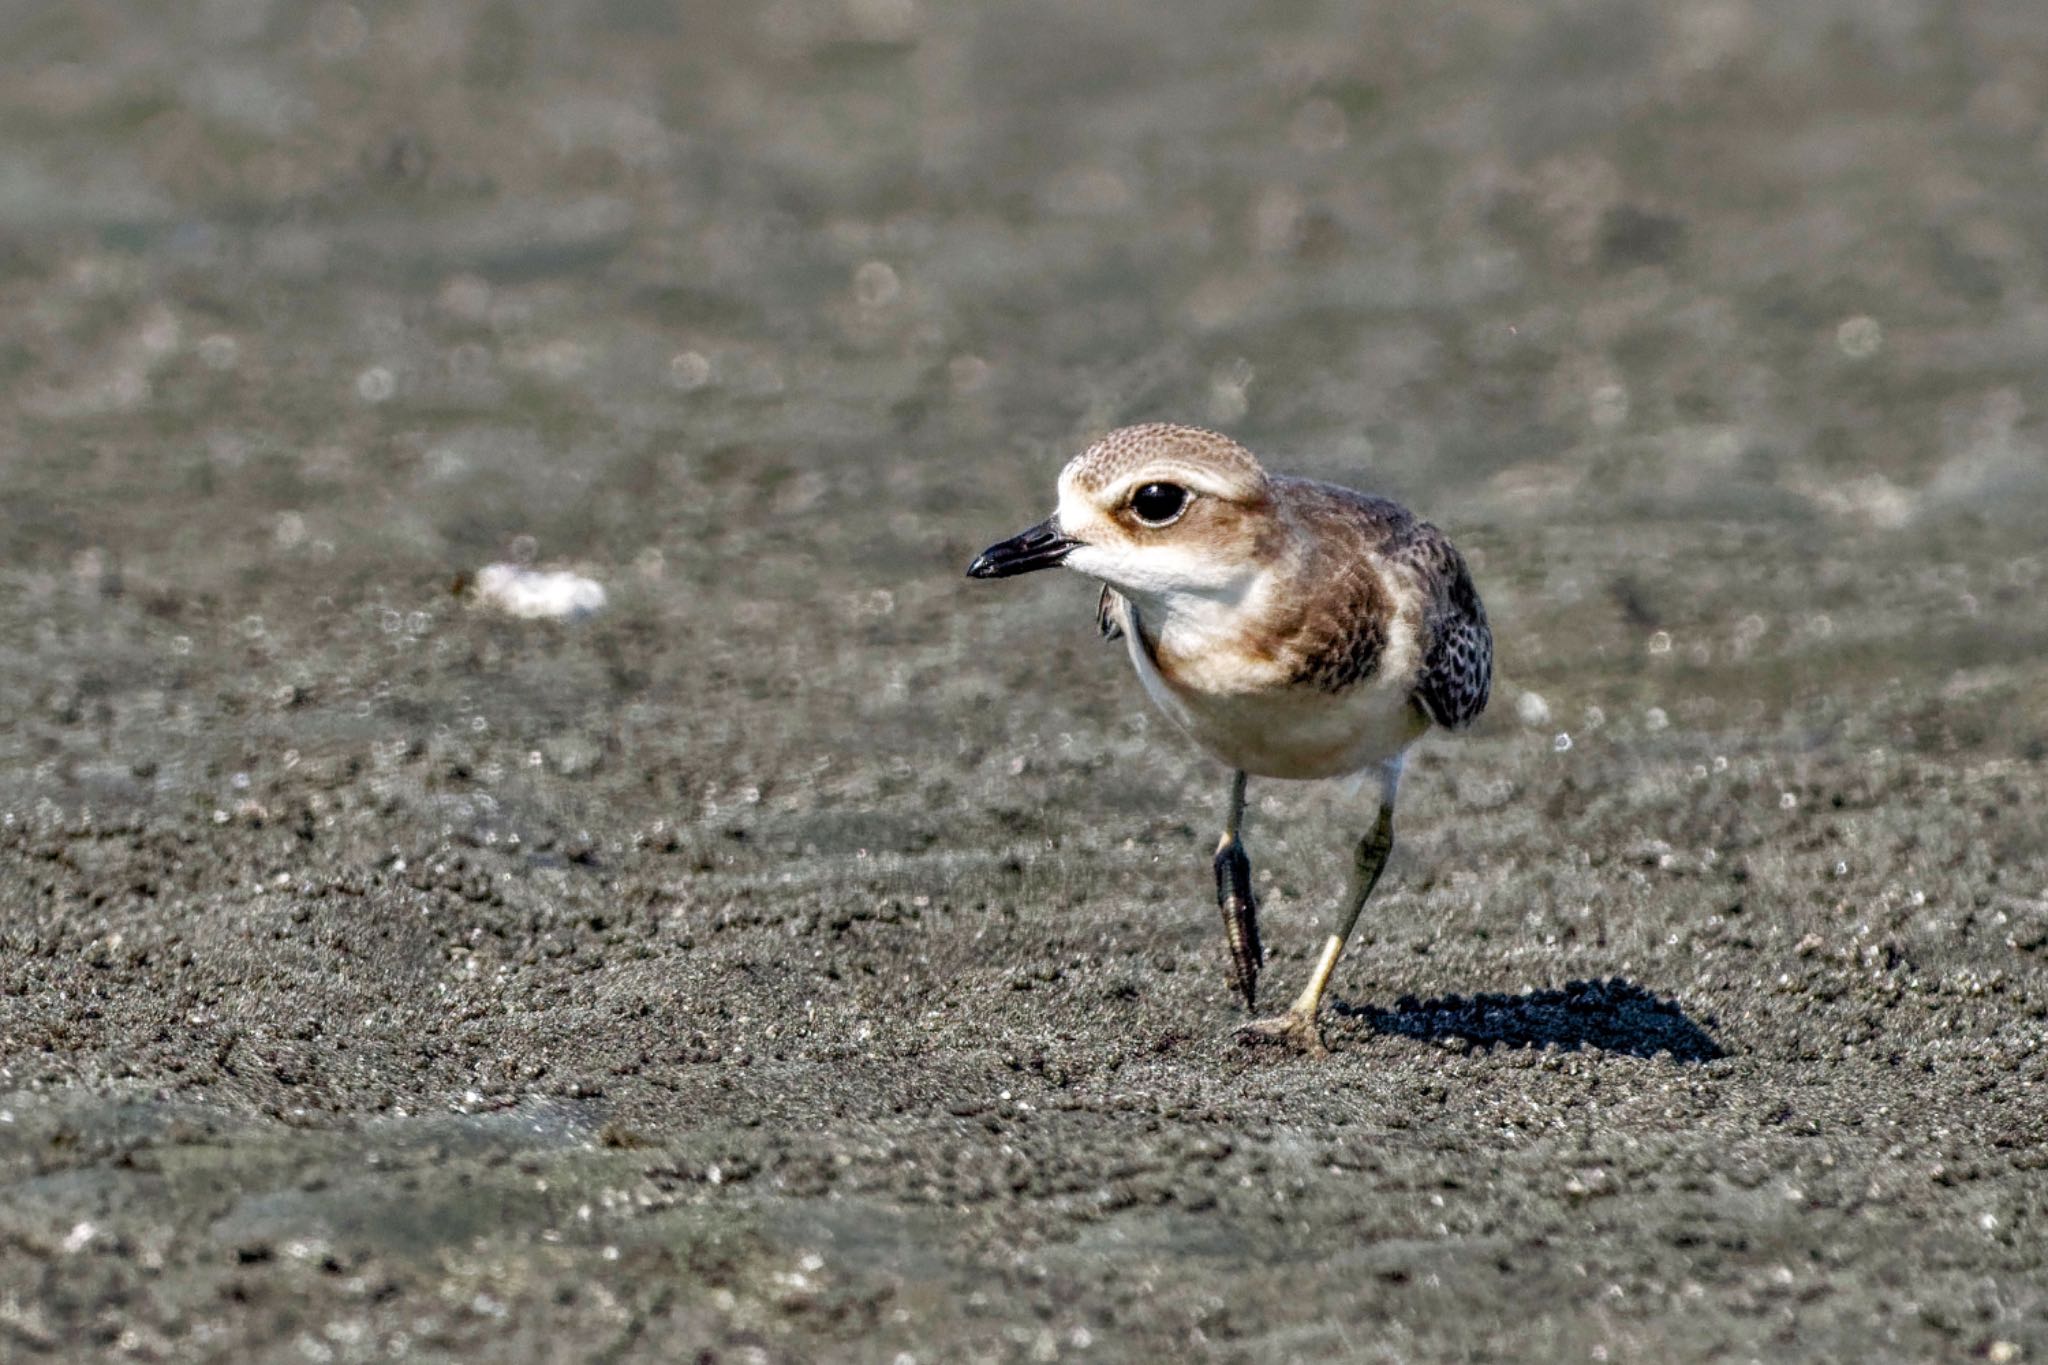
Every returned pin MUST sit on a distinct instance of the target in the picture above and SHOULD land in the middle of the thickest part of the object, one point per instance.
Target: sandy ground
(811, 956)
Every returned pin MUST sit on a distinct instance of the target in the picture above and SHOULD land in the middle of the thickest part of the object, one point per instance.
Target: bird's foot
(1295, 1030)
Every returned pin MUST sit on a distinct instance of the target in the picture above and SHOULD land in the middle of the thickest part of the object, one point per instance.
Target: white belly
(1295, 732)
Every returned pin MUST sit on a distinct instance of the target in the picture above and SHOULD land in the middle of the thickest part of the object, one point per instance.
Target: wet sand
(812, 955)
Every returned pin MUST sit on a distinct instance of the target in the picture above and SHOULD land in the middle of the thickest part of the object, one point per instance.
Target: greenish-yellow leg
(1298, 1026)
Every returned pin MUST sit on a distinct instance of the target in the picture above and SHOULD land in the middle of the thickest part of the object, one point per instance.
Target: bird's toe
(1294, 1030)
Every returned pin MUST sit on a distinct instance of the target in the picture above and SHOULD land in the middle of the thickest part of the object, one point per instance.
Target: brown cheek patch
(1240, 532)
(1229, 528)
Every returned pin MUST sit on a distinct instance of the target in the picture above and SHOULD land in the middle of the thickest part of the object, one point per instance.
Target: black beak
(1041, 547)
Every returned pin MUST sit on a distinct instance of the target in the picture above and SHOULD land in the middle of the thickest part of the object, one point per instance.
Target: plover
(1292, 628)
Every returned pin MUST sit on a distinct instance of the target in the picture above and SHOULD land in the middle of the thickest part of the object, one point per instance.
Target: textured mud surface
(814, 955)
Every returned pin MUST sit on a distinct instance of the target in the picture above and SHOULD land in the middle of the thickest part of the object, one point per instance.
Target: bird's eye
(1159, 504)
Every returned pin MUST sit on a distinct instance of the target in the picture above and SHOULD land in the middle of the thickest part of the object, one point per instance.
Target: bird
(1293, 629)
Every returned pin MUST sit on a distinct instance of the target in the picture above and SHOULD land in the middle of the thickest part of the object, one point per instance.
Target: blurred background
(1713, 331)
(775, 312)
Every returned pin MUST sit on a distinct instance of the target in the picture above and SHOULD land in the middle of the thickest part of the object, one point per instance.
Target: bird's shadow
(1613, 1016)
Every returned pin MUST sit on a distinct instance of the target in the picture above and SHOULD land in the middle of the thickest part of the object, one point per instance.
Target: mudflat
(811, 955)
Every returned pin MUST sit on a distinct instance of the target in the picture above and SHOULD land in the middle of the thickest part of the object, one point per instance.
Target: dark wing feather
(1109, 615)
(1457, 656)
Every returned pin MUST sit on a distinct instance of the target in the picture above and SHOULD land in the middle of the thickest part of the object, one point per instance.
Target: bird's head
(1156, 512)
